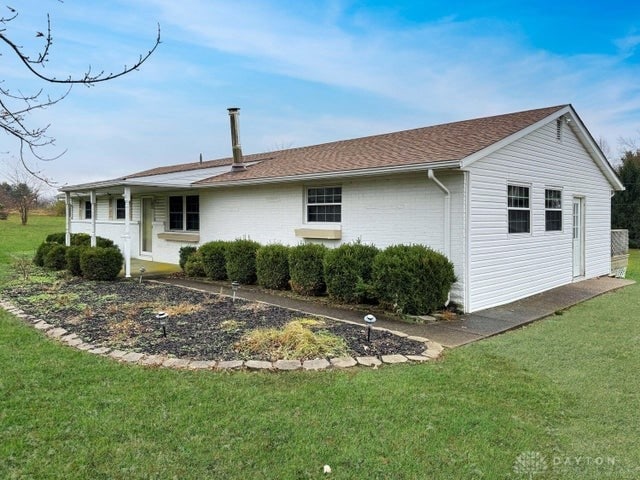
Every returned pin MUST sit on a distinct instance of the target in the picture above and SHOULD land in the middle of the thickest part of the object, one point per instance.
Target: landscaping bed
(199, 325)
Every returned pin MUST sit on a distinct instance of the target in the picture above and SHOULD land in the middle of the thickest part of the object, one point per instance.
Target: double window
(184, 212)
(552, 210)
(324, 204)
(518, 201)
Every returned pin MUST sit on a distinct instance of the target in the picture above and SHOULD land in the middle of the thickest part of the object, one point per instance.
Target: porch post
(93, 218)
(127, 232)
(67, 220)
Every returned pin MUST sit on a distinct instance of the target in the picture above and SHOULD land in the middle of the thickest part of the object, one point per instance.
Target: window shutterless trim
(518, 208)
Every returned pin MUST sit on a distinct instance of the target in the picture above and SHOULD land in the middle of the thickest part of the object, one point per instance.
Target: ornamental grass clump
(296, 340)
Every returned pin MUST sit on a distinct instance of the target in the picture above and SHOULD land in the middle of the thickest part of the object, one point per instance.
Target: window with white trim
(552, 210)
(519, 212)
(184, 213)
(324, 204)
(120, 209)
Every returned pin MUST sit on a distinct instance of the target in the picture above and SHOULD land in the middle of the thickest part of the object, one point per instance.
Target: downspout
(127, 232)
(67, 219)
(447, 219)
(94, 214)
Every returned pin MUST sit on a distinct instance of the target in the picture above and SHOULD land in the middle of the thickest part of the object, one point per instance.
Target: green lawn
(563, 391)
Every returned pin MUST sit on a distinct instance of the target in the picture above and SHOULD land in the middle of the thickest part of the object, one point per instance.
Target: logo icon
(530, 464)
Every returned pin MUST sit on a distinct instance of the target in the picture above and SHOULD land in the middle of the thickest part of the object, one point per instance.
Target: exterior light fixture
(142, 270)
(162, 318)
(369, 320)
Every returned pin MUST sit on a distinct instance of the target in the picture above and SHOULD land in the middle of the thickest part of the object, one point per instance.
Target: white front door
(147, 224)
(578, 237)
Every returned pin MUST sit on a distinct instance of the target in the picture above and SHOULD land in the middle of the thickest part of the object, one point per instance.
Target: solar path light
(162, 318)
(235, 285)
(369, 320)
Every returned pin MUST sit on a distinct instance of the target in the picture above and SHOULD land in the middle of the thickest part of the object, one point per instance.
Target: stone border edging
(432, 351)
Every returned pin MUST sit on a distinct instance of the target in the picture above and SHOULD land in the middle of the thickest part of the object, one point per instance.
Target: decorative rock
(287, 365)
(74, 342)
(69, 337)
(42, 325)
(315, 364)
(152, 360)
(258, 365)
(418, 358)
(176, 363)
(202, 364)
(417, 339)
(393, 358)
(132, 357)
(117, 354)
(98, 350)
(434, 346)
(343, 362)
(368, 361)
(230, 364)
(56, 332)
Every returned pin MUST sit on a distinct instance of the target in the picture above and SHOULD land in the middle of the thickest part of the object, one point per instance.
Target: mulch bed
(200, 326)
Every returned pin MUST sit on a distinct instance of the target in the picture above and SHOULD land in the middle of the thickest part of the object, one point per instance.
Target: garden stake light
(369, 320)
(234, 286)
(142, 270)
(161, 316)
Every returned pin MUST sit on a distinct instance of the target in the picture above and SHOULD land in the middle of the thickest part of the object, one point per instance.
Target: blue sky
(307, 72)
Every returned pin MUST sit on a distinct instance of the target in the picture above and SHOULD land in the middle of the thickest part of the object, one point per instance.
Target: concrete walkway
(465, 329)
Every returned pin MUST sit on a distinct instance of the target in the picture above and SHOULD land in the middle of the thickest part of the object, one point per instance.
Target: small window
(184, 213)
(553, 210)
(324, 204)
(87, 209)
(120, 209)
(518, 208)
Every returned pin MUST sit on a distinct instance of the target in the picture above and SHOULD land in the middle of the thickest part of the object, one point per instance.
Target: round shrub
(213, 260)
(100, 263)
(58, 237)
(42, 250)
(272, 266)
(73, 259)
(306, 268)
(346, 269)
(194, 266)
(240, 258)
(412, 279)
(84, 239)
(185, 253)
(55, 258)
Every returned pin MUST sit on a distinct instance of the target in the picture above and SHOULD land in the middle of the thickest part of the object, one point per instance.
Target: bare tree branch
(15, 106)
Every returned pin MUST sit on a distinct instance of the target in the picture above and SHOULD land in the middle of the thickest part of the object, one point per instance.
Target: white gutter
(447, 220)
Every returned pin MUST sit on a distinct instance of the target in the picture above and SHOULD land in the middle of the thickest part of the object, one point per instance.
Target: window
(552, 210)
(120, 209)
(184, 213)
(87, 209)
(518, 207)
(324, 204)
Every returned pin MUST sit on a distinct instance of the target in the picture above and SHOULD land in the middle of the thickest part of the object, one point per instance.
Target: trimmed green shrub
(84, 239)
(55, 258)
(185, 253)
(58, 237)
(194, 266)
(101, 263)
(347, 269)
(240, 258)
(42, 250)
(306, 270)
(73, 259)
(213, 259)
(272, 266)
(412, 279)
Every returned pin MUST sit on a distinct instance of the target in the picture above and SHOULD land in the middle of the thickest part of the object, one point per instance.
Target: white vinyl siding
(506, 267)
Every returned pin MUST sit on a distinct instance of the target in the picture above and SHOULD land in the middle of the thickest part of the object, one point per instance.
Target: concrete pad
(451, 337)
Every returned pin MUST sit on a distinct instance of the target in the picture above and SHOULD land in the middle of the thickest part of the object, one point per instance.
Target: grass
(564, 388)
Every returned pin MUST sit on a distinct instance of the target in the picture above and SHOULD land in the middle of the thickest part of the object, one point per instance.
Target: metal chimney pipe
(237, 164)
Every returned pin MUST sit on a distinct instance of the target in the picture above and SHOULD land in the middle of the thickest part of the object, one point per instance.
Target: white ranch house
(520, 202)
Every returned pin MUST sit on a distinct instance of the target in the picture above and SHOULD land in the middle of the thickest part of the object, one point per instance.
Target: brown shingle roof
(439, 143)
